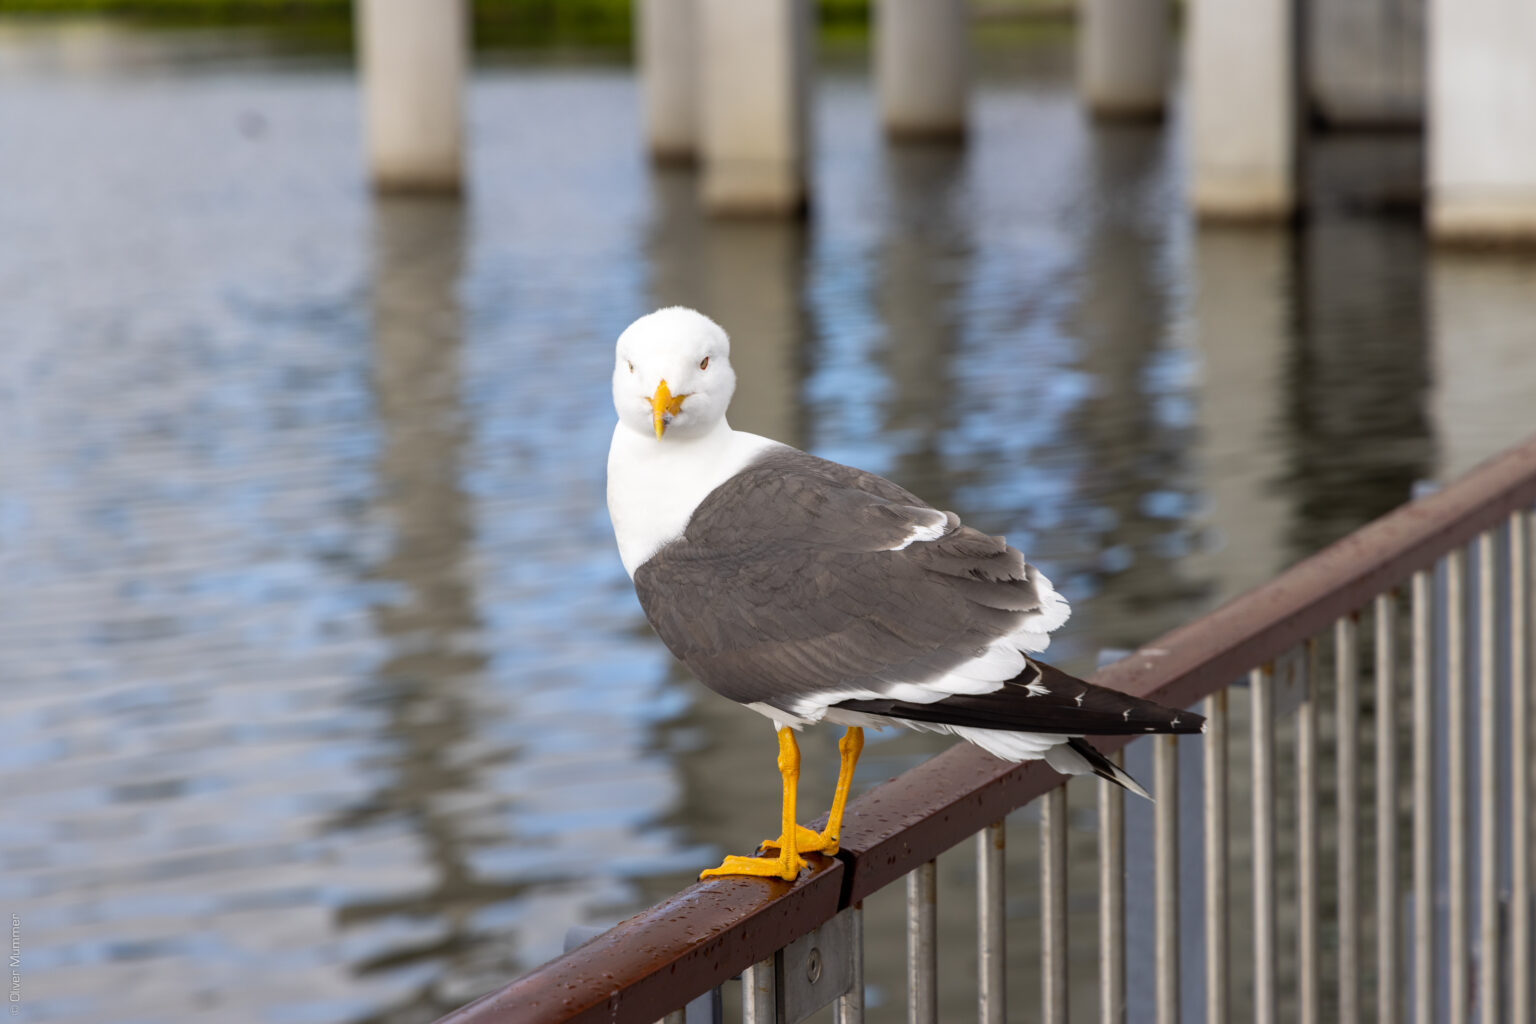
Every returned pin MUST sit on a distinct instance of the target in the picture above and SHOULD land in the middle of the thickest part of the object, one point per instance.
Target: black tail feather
(1106, 769)
(1042, 699)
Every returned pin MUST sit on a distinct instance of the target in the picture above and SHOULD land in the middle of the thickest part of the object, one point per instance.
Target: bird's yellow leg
(789, 862)
(825, 841)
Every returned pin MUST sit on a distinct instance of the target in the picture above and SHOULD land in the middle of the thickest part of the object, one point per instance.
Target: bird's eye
(704, 365)
(630, 365)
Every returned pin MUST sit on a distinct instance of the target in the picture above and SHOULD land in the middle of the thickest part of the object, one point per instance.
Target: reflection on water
(316, 660)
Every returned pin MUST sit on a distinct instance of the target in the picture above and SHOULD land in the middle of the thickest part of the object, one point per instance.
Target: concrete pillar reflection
(922, 66)
(1357, 433)
(423, 683)
(920, 272)
(1242, 82)
(1484, 395)
(1241, 332)
(1365, 62)
(1482, 120)
(413, 55)
(1124, 54)
(1137, 477)
(668, 59)
(755, 64)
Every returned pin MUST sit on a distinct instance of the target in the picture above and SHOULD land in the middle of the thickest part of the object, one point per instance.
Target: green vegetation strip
(576, 11)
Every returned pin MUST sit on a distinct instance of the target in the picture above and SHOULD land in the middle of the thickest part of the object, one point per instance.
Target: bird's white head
(672, 374)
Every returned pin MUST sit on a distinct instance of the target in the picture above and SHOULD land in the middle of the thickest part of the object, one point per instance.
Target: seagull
(814, 592)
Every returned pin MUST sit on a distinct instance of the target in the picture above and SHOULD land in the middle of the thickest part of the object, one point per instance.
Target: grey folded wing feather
(800, 577)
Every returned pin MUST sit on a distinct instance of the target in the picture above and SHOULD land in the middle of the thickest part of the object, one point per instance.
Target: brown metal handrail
(659, 959)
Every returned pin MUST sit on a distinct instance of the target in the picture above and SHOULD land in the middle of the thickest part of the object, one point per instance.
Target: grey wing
(801, 582)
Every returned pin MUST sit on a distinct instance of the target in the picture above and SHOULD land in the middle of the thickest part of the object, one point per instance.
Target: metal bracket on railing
(817, 968)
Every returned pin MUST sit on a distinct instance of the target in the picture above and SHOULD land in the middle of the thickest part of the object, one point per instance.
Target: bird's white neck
(654, 485)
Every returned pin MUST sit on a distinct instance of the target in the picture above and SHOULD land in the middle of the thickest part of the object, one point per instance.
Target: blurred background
(325, 696)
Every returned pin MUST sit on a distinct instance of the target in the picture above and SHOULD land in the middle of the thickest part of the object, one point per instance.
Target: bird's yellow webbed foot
(787, 868)
(788, 864)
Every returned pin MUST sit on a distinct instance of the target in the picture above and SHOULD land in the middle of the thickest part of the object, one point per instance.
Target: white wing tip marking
(1079, 698)
(1036, 690)
(931, 532)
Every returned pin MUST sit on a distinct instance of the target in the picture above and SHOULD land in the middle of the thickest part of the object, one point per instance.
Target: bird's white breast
(654, 486)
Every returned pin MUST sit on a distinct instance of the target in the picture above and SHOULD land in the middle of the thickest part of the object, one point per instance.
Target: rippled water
(325, 695)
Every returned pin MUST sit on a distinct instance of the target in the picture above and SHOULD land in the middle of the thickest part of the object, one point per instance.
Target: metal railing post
(1053, 906)
(991, 921)
(1166, 880)
(1216, 917)
(922, 944)
(1423, 801)
(757, 994)
(1457, 954)
(1489, 977)
(1347, 718)
(849, 1008)
(1261, 685)
(1521, 627)
(1306, 841)
(1387, 946)
(1112, 902)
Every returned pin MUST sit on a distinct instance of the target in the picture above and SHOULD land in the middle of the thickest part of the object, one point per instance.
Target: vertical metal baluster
(1423, 801)
(1306, 840)
(1489, 977)
(1053, 906)
(1112, 902)
(1166, 876)
(922, 945)
(849, 1008)
(1261, 684)
(1214, 751)
(1520, 549)
(991, 918)
(757, 999)
(1346, 634)
(1457, 940)
(1387, 999)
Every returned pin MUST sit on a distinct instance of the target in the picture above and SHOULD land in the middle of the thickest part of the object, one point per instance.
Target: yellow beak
(664, 404)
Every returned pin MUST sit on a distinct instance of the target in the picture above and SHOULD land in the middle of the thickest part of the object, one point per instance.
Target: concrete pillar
(413, 55)
(922, 66)
(1242, 76)
(1365, 62)
(665, 36)
(754, 59)
(1123, 56)
(1482, 120)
